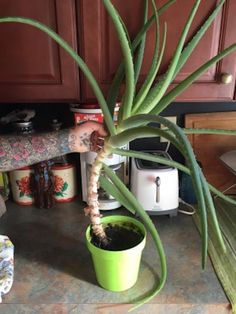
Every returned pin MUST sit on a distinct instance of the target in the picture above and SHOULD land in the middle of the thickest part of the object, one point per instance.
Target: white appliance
(120, 166)
(155, 186)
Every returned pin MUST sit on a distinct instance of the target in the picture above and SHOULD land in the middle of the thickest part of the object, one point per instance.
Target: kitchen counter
(54, 272)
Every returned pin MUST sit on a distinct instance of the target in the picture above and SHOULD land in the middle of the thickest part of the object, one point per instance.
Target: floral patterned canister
(21, 185)
(65, 187)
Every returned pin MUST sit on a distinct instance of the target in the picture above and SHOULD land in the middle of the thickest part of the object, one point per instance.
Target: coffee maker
(119, 164)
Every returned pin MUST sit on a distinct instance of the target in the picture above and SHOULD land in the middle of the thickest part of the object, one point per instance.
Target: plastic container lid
(76, 107)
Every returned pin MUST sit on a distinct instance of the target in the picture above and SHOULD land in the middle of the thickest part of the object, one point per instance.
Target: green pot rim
(117, 218)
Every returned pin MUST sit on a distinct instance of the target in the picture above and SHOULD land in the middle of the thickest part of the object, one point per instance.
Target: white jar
(65, 187)
(21, 185)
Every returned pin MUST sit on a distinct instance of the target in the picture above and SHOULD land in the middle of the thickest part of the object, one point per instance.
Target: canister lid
(23, 127)
(77, 107)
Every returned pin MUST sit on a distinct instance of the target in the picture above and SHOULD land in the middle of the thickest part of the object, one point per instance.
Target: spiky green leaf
(157, 93)
(197, 37)
(141, 47)
(127, 55)
(176, 91)
(182, 144)
(156, 61)
(118, 78)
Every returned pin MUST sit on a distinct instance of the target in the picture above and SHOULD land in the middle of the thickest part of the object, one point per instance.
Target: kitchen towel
(6, 265)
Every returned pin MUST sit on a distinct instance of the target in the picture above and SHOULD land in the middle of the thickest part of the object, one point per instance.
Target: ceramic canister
(65, 187)
(20, 181)
(86, 112)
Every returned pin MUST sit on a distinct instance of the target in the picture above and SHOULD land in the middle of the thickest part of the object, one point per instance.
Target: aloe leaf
(82, 65)
(151, 157)
(151, 228)
(110, 188)
(168, 98)
(221, 195)
(185, 54)
(171, 163)
(207, 197)
(115, 88)
(149, 23)
(197, 37)
(187, 151)
(197, 183)
(141, 119)
(151, 75)
(141, 48)
(140, 132)
(157, 93)
(209, 131)
(156, 61)
(135, 121)
(125, 31)
(212, 211)
(118, 78)
(183, 145)
(128, 61)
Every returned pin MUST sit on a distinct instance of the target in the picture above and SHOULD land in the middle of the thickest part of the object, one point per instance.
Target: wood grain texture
(100, 47)
(208, 148)
(33, 67)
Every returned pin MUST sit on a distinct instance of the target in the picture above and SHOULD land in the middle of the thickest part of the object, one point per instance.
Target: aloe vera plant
(139, 108)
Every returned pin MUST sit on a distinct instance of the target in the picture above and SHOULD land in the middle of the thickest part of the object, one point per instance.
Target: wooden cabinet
(33, 67)
(100, 48)
(208, 147)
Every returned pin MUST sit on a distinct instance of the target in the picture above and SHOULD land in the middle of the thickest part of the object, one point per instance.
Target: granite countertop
(54, 272)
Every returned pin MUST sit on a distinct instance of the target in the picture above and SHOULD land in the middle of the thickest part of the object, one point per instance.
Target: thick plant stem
(92, 209)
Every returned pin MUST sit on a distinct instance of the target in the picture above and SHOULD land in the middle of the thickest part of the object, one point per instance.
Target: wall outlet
(173, 119)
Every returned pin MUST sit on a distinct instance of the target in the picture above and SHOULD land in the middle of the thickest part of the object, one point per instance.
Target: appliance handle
(158, 184)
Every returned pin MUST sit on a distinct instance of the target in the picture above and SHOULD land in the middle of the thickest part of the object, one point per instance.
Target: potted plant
(137, 111)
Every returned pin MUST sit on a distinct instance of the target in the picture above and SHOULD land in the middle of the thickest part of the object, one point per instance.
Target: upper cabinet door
(100, 48)
(33, 67)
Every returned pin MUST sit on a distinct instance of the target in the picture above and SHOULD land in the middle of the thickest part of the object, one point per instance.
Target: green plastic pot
(117, 270)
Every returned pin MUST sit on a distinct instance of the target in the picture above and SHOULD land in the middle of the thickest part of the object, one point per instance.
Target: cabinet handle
(226, 78)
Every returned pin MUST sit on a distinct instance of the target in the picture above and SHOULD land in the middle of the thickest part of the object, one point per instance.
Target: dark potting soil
(119, 238)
